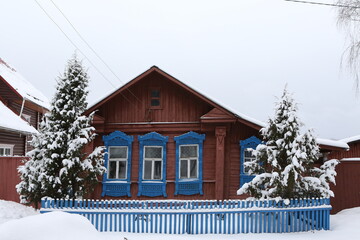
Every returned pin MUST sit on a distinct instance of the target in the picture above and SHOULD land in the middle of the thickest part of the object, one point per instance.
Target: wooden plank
(9, 178)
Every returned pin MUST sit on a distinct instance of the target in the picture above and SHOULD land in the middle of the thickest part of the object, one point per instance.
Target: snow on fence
(198, 217)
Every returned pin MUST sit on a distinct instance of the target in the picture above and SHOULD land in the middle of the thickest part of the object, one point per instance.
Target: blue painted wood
(113, 187)
(251, 142)
(219, 217)
(152, 188)
(189, 186)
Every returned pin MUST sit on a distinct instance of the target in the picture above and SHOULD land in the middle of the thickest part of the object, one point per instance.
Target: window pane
(183, 169)
(122, 169)
(193, 168)
(147, 169)
(118, 152)
(157, 173)
(155, 102)
(249, 153)
(153, 152)
(155, 93)
(7, 151)
(2, 151)
(112, 169)
(188, 151)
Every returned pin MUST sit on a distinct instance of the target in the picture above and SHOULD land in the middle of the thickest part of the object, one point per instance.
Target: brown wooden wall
(177, 105)
(235, 133)
(180, 112)
(347, 188)
(232, 170)
(32, 113)
(16, 139)
(7, 93)
(353, 152)
(9, 178)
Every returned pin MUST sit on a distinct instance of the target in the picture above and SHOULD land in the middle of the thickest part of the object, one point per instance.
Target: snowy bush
(58, 166)
(284, 163)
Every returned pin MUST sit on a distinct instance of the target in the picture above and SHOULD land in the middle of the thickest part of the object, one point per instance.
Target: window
(246, 155)
(152, 165)
(189, 148)
(155, 98)
(6, 150)
(189, 161)
(117, 162)
(116, 181)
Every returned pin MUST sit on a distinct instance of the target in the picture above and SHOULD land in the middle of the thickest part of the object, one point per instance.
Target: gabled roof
(21, 86)
(220, 107)
(11, 122)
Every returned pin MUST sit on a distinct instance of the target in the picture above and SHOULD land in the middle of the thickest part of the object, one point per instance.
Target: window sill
(188, 180)
(153, 181)
(116, 181)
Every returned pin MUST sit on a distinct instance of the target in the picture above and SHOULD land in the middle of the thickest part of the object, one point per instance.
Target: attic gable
(125, 90)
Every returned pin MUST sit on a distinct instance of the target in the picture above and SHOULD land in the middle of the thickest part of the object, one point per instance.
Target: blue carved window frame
(189, 186)
(117, 187)
(152, 188)
(251, 142)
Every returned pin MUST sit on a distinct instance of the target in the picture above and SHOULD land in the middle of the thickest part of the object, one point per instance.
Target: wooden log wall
(16, 139)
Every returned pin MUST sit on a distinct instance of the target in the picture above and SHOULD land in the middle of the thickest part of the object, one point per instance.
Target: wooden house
(166, 140)
(21, 109)
(347, 188)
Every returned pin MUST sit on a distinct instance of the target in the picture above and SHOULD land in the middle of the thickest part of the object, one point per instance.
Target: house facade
(166, 140)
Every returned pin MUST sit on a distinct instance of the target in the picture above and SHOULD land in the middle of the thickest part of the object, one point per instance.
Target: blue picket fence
(198, 217)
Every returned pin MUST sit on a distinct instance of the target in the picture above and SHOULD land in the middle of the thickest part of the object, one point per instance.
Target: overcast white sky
(241, 53)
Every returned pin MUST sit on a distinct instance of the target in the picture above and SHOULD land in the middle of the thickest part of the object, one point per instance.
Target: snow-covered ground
(12, 210)
(18, 222)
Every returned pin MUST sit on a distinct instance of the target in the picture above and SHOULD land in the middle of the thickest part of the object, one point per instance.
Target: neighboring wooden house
(347, 188)
(18, 98)
(164, 139)
(21, 108)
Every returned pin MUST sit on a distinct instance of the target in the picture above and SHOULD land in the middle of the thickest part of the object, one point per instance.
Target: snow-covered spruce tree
(58, 166)
(284, 163)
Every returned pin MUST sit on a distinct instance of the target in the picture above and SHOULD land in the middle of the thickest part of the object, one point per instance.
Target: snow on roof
(332, 143)
(12, 122)
(23, 87)
(238, 114)
(351, 139)
(351, 159)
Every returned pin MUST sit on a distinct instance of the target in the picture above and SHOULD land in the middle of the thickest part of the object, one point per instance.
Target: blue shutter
(114, 187)
(152, 188)
(189, 186)
(251, 142)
